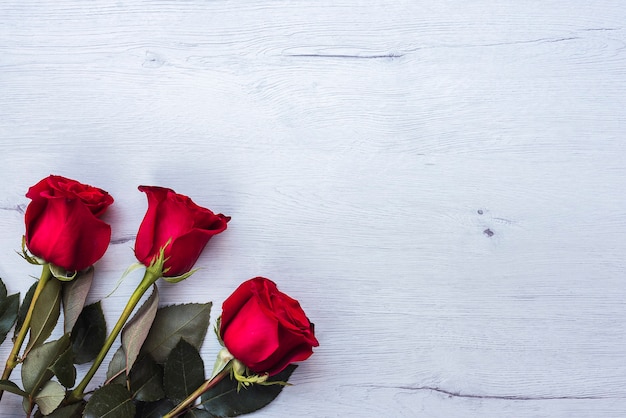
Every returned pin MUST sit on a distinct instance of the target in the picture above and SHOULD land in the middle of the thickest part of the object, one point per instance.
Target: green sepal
(129, 270)
(223, 360)
(246, 378)
(180, 278)
(30, 258)
(62, 274)
(157, 264)
(218, 325)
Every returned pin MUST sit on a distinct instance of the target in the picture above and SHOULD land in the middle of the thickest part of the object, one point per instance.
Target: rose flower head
(265, 329)
(62, 225)
(175, 224)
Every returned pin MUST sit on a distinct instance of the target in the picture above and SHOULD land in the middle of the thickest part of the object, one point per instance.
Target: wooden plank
(440, 185)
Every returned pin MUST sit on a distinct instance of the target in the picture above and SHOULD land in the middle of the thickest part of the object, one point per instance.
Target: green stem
(181, 407)
(13, 360)
(148, 280)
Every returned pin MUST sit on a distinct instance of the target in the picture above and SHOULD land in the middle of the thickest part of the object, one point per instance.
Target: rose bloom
(62, 225)
(264, 328)
(175, 218)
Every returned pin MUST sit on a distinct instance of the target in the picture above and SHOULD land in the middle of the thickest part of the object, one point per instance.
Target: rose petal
(265, 328)
(176, 219)
(65, 232)
(185, 251)
(251, 336)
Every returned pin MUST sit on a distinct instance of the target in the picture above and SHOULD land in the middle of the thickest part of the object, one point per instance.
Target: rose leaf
(154, 409)
(74, 297)
(189, 321)
(112, 401)
(50, 397)
(116, 373)
(223, 400)
(28, 298)
(3, 290)
(11, 387)
(198, 413)
(36, 369)
(183, 371)
(63, 368)
(45, 314)
(146, 380)
(88, 333)
(136, 330)
(69, 411)
(9, 307)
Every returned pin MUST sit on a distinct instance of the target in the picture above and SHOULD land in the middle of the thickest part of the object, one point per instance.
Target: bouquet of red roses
(157, 371)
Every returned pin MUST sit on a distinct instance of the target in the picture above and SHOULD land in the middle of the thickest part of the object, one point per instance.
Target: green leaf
(28, 405)
(11, 387)
(63, 368)
(36, 369)
(116, 373)
(28, 298)
(198, 413)
(112, 401)
(223, 400)
(70, 411)
(154, 409)
(136, 330)
(3, 290)
(45, 314)
(50, 397)
(89, 333)
(146, 380)
(189, 321)
(74, 297)
(9, 307)
(183, 371)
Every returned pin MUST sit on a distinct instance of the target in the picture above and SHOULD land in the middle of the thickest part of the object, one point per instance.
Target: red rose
(264, 328)
(175, 218)
(62, 224)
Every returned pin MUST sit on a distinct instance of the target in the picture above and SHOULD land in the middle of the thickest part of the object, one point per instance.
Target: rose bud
(62, 225)
(176, 224)
(264, 328)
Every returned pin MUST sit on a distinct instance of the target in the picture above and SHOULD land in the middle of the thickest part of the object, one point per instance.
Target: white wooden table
(440, 183)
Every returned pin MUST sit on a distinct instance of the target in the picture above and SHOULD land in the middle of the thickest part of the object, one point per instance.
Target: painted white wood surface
(440, 183)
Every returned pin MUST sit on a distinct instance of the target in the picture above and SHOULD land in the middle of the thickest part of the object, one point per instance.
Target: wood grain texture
(439, 183)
